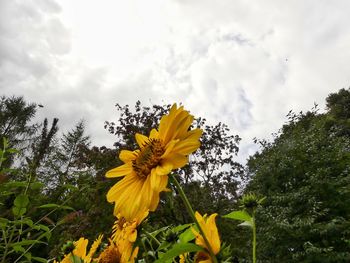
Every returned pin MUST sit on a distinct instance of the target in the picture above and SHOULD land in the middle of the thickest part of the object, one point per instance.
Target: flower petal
(177, 160)
(154, 134)
(120, 170)
(127, 156)
(141, 140)
(186, 147)
(164, 168)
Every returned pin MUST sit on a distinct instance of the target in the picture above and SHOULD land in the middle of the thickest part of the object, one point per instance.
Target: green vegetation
(52, 187)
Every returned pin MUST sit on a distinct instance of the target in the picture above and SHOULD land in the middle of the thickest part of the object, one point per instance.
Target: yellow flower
(114, 254)
(125, 232)
(80, 250)
(146, 170)
(211, 232)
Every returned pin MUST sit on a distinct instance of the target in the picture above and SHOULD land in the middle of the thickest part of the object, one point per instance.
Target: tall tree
(15, 122)
(304, 172)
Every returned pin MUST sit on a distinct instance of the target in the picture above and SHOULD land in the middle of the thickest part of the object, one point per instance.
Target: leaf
(156, 232)
(247, 223)
(18, 248)
(42, 260)
(186, 236)
(45, 228)
(36, 185)
(177, 250)
(181, 227)
(3, 221)
(26, 221)
(5, 142)
(11, 150)
(16, 184)
(21, 201)
(164, 245)
(56, 206)
(18, 211)
(75, 259)
(239, 215)
(26, 243)
(28, 256)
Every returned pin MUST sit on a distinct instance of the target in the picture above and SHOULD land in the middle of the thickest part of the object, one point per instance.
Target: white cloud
(244, 63)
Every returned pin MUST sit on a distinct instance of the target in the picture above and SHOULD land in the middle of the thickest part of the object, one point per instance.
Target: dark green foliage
(15, 123)
(15, 117)
(305, 175)
(41, 146)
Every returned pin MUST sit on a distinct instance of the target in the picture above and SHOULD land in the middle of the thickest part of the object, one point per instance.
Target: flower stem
(191, 212)
(254, 239)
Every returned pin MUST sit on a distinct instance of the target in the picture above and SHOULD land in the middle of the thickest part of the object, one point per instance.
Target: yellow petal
(169, 147)
(183, 126)
(177, 160)
(193, 134)
(158, 181)
(210, 230)
(127, 156)
(186, 147)
(164, 168)
(80, 247)
(141, 140)
(120, 170)
(153, 134)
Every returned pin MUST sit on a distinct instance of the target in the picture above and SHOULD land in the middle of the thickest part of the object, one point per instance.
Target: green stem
(152, 237)
(254, 238)
(8, 244)
(191, 212)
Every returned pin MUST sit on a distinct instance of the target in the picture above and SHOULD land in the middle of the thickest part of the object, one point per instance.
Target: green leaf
(181, 227)
(5, 142)
(19, 248)
(187, 236)
(28, 222)
(56, 206)
(47, 233)
(18, 211)
(75, 259)
(16, 184)
(27, 243)
(164, 245)
(11, 150)
(21, 201)
(247, 223)
(239, 215)
(38, 259)
(177, 250)
(36, 185)
(28, 256)
(3, 221)
(160, 230)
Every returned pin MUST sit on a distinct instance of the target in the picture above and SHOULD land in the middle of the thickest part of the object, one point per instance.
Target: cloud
(243, 63)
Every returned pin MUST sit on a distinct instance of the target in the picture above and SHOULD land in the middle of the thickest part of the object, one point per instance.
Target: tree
(338, 105)
(304, 172)
(15, 123)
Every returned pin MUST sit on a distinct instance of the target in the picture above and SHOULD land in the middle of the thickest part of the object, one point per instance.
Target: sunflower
(146, 170)
(125, 232)
(114, 254)
(80, 248)
(211, 232)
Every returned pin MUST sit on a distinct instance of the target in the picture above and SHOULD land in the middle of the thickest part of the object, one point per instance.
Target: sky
(244, 63)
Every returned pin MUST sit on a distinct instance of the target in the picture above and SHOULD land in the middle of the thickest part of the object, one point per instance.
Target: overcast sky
(245, 63)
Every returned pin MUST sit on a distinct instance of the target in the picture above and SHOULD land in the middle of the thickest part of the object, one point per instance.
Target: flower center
(148, 158)
(110, 255)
